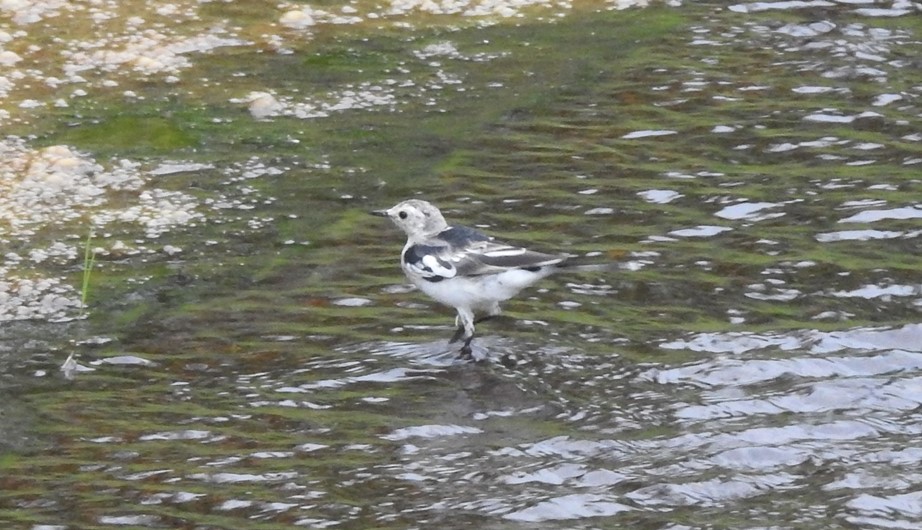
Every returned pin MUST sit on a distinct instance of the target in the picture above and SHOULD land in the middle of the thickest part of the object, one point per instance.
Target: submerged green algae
(129, 134)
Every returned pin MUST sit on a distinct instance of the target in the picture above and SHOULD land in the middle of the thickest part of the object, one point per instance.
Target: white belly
(480, 293)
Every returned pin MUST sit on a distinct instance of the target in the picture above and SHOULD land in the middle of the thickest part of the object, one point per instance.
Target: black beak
(379, 213)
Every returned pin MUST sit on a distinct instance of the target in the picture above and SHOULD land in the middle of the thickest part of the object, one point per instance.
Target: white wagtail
(465, 269)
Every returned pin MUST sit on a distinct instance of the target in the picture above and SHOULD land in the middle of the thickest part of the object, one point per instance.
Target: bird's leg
(465, 331)
(459, 331)
(462, 330)
(457, 336)
(466, 351)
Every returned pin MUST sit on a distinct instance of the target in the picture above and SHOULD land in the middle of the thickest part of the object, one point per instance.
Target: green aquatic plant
(89, 259)
(69, 368)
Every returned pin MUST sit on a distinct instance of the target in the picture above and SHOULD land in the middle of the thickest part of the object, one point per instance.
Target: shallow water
(250, 356)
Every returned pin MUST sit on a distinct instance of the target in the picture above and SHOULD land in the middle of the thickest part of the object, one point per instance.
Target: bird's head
(417, 218)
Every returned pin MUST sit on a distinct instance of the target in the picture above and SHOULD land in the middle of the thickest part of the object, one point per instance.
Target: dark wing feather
(490, 257)
(472, 253)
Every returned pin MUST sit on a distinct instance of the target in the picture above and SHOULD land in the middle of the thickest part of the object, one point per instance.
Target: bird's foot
(466, 352)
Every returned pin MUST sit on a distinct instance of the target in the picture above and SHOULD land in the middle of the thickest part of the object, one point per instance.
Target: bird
(463, 268)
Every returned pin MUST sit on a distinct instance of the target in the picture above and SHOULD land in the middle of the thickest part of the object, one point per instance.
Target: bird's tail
(574, 266)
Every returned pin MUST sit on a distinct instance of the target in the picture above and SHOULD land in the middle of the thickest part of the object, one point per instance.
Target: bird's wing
(462, 251)
(429, 262)
(490, 257)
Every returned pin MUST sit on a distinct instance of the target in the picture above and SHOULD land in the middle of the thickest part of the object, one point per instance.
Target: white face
(416, 217)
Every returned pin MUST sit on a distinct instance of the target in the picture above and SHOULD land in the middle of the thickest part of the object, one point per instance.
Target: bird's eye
(402, 214)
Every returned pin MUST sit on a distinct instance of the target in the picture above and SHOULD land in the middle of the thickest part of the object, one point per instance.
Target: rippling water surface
(250, 357)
